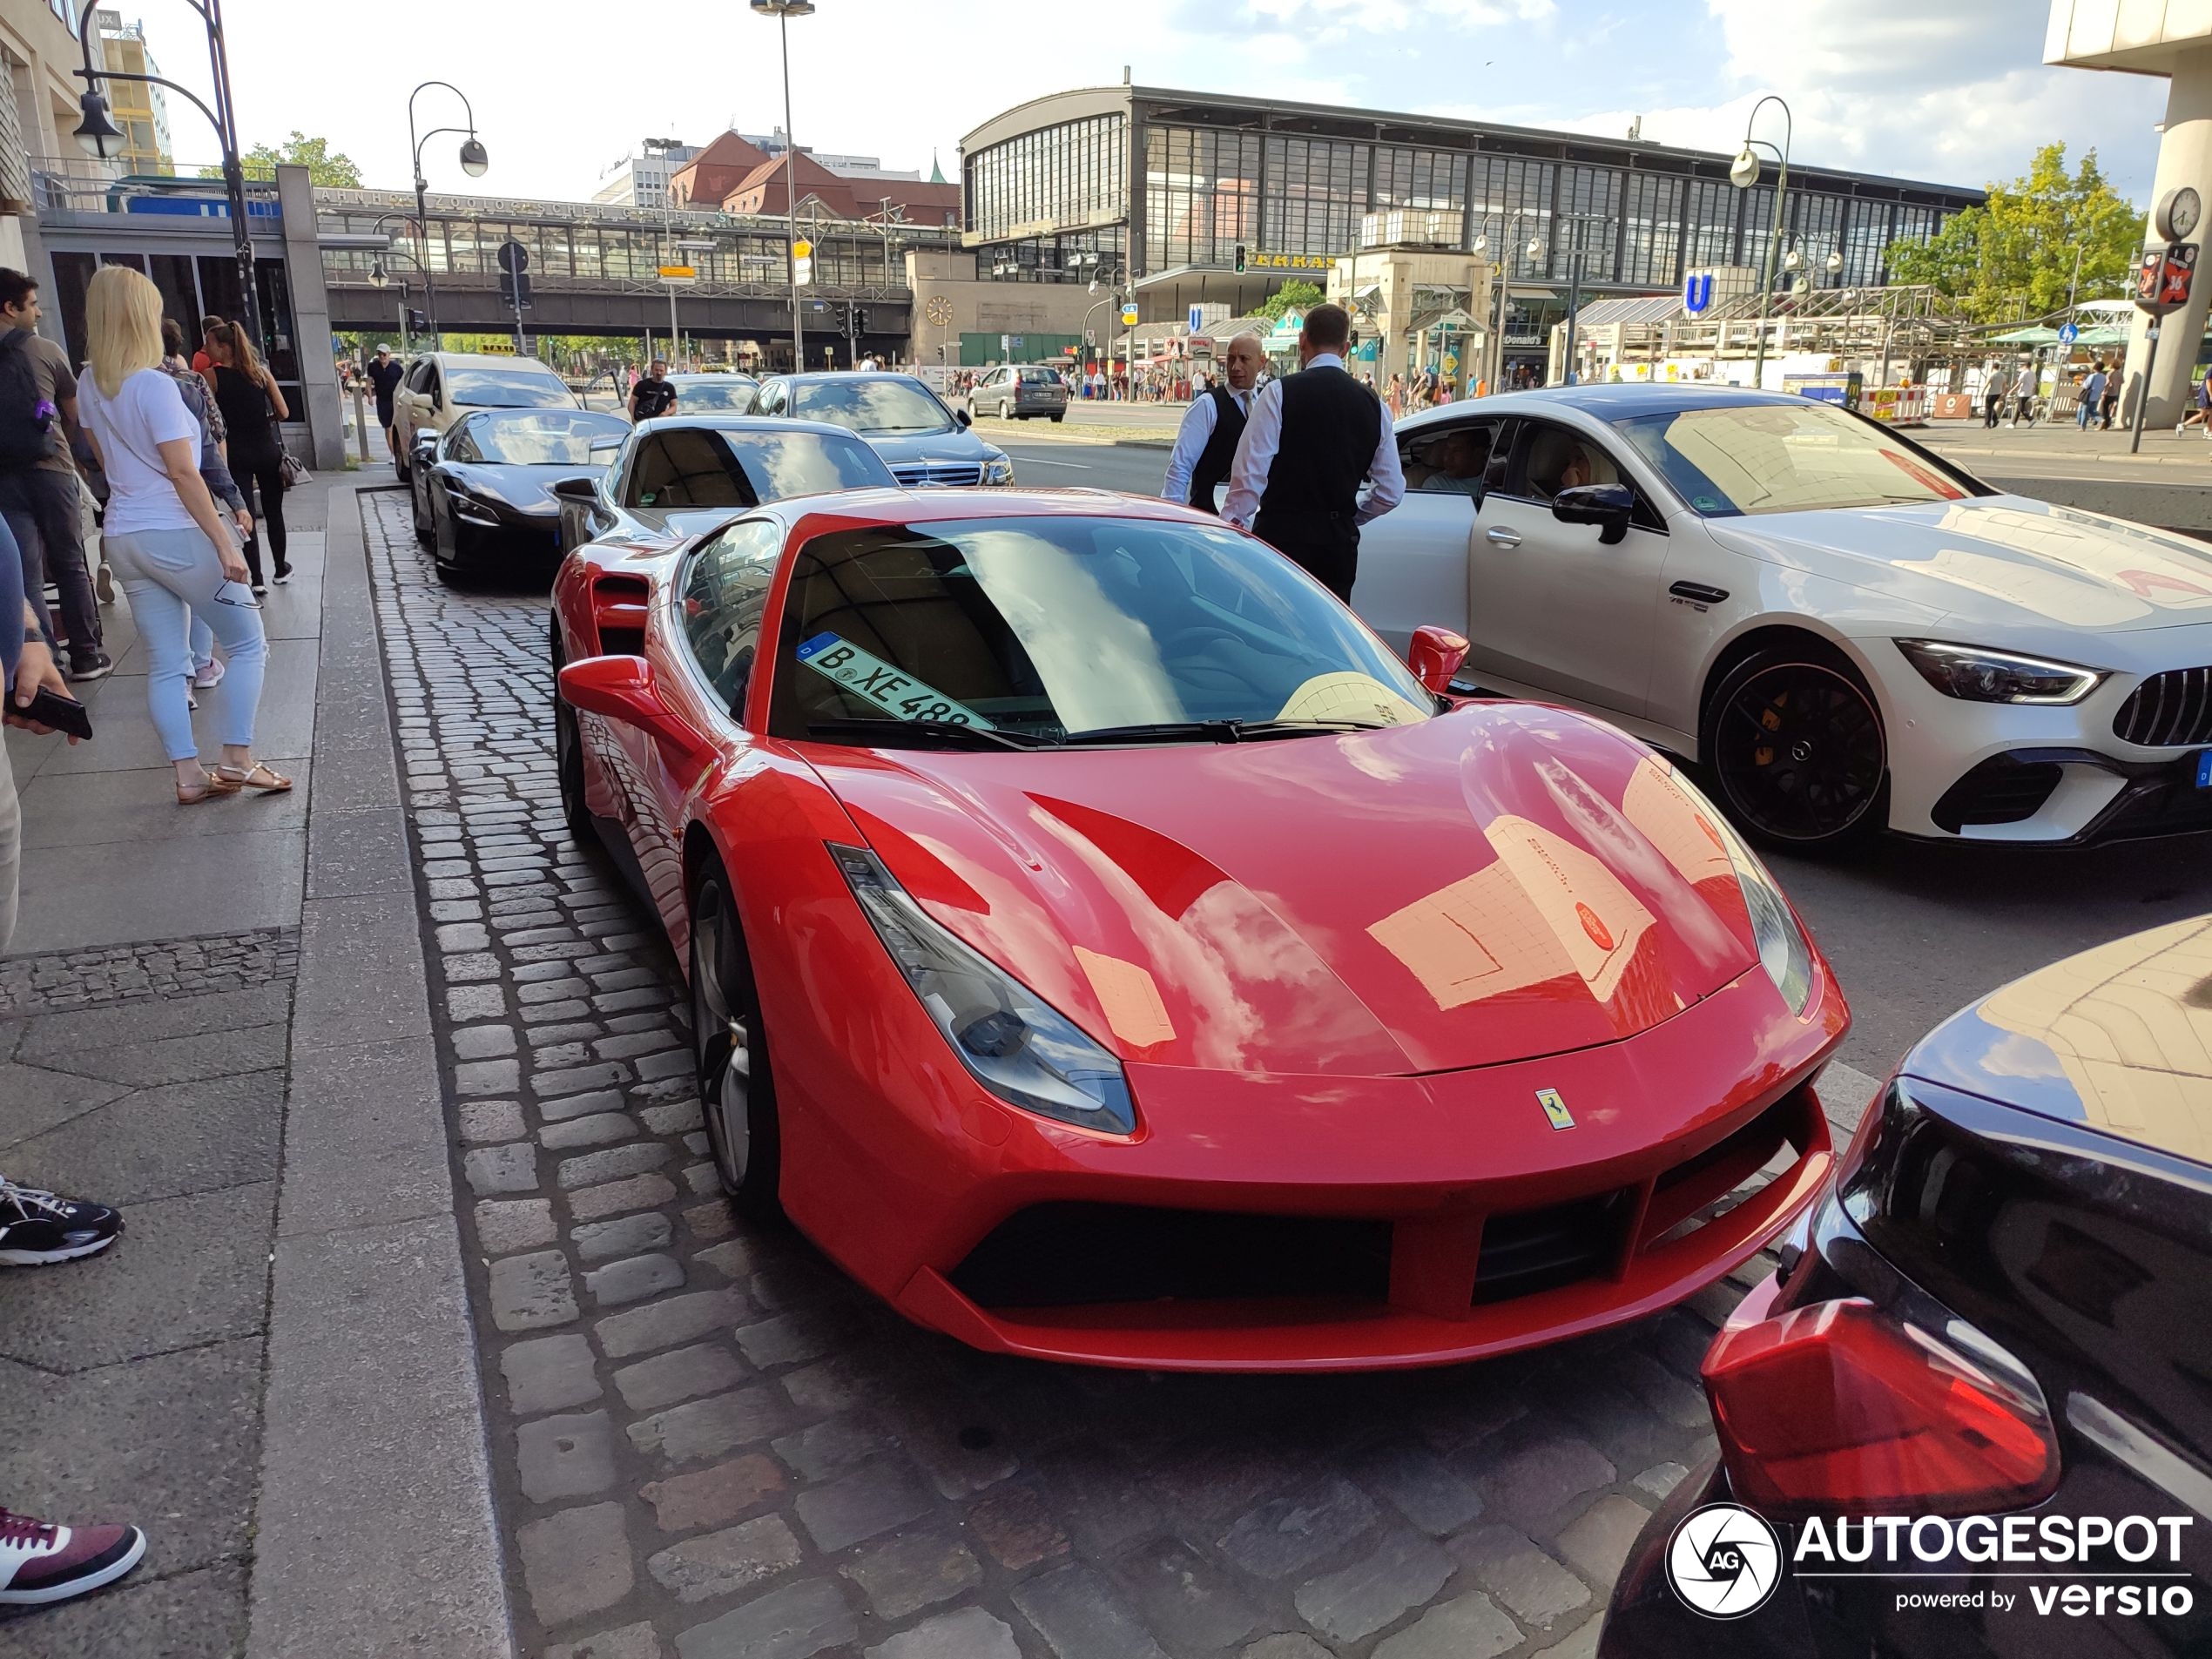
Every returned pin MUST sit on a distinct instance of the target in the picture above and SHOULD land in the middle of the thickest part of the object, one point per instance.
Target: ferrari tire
(730, 1051)
(568, 759)
(1793, 745)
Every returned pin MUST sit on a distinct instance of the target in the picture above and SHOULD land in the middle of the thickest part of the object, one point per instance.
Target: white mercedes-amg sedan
(1846, 630)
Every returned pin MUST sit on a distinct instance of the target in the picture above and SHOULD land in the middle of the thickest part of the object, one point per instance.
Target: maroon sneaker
(43, 1560)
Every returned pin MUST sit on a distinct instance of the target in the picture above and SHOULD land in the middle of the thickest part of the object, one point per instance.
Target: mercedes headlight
(1784, 951)
(998, 470)
(1027, 1052)
(1978, 675)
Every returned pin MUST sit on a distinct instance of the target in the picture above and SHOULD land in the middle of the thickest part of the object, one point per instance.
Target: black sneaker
(283, 574)
(37, 1228)
(261, 588)
(94, 665)
(43, 1561)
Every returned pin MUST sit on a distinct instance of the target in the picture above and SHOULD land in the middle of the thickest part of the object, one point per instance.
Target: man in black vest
(1313, 439)
(1207, 443)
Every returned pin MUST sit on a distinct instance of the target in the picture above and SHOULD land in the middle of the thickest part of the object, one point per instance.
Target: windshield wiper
(1217, 731)
(887, 731)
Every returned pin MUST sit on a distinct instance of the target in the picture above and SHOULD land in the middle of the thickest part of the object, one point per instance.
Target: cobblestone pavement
(709, 1444)
(84, 979)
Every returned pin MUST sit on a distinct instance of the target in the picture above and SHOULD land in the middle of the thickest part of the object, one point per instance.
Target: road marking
(1041, 461)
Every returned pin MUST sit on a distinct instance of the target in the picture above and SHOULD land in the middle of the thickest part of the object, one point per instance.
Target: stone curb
(376, 1529)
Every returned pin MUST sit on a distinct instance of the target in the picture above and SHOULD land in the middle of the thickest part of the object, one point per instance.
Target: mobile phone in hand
(50, 708)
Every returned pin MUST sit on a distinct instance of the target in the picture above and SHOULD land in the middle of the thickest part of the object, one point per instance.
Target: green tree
(2014, 258)
(324, 164)
(1296, 294)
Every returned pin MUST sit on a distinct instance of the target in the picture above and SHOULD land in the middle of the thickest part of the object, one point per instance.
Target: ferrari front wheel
(737, 1089)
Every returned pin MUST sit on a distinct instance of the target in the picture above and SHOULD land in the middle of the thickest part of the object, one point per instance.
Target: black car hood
(521, 490)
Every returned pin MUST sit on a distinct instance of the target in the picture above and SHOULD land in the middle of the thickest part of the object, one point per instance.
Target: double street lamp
(101, 139)
(783, 12)
(474, 162)
(1743, 172)
(1535, 251)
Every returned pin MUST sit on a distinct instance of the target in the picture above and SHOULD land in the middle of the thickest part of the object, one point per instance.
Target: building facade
(1163, 186)
(640, 180)
(135, 107)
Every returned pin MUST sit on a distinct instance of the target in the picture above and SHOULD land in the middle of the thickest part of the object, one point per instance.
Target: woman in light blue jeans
(167, 543)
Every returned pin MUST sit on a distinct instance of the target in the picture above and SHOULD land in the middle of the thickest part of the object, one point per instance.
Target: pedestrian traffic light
(859, 321)
(517, 284)
(1243, 259)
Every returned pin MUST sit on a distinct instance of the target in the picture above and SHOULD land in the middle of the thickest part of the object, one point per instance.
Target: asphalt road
(1915, 931)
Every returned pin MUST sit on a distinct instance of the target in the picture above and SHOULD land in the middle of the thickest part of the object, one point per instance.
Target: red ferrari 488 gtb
(1106, 950)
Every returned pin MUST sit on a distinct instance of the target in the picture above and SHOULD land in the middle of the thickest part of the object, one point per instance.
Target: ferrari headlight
(1027, 1052)
(1981, 676)
(1785, 951)
(998, 470)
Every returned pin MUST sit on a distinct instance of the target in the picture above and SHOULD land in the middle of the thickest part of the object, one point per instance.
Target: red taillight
(1836, 1408)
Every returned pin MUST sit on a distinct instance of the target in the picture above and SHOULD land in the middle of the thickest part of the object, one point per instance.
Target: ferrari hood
(1995, 558)
(523, 489)
(1498, 883)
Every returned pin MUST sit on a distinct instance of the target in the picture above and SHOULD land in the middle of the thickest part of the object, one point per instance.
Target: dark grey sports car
(483, 489)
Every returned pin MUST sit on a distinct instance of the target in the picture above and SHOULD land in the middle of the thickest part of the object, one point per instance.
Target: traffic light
(517, 284)
(1243, 259)
(417, 322)
(859, 321)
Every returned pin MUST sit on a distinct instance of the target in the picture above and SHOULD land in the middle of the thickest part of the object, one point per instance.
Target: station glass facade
(1194, 176)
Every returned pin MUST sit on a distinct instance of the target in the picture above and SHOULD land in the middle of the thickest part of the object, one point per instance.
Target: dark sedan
(680, 475)
(483, 490)
(1971, 1413)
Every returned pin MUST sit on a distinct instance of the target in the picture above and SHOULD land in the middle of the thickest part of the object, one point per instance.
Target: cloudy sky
(1952, 90)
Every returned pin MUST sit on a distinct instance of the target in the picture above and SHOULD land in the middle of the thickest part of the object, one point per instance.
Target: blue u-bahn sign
(1696, 291)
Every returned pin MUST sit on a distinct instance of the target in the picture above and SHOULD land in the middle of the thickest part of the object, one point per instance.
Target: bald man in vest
(1207, 443)
(1313, 440)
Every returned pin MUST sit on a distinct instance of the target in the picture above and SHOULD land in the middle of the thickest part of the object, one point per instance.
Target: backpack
(25, 415)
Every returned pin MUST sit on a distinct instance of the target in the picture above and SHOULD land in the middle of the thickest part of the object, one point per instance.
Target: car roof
(881, 506)
(852, 374)
(490, 360)
(1611, 401)
(711, 374)
(731, 421)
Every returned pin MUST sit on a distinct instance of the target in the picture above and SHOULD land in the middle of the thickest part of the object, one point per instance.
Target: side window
(430, 384)
(725, 592)
(1451, 459)
(416, 375)
(772, 399)
(461, 443)
(1551, 458)
(687, 467)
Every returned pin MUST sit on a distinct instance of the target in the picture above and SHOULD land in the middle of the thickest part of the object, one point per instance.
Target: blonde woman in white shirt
(171, 549)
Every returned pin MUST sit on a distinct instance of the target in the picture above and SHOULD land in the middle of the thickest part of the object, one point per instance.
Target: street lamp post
(100, 137)
(1504, 266)
(378, 277)
(783, 12)
(1743, 172)
(474, 162)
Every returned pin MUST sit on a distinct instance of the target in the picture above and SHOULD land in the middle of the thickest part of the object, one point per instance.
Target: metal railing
(83, 188)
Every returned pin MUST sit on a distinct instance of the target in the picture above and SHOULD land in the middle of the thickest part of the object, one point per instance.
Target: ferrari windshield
(1010, 632)
(502, 388)
(1750, 458)
(881, 406)
(533, 437)
(713, 394)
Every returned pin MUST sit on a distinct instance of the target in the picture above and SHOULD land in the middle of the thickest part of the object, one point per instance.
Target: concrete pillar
(310, 341)
(2184, 157)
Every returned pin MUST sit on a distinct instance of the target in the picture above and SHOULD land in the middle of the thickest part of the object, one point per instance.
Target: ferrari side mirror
(1434, 656)
(623, 688)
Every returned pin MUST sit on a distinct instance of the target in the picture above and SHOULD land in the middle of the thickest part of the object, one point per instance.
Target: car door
(1552, 607)
(404, 412)
(439, 415)
(721, 595)
(1413, 560)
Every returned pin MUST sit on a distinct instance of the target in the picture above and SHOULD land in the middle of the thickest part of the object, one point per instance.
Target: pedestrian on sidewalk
(384, 376)
(246, 393)
(1313, 439)
(38, 478)
(215, 472)
(2024, 395)
(169, 544)
(2093, 397)
(652, 396)
(1993, 395)
(43, 1561)
(202, 361)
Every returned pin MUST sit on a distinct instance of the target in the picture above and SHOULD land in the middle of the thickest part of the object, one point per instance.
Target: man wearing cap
(1313, 440)
(384, 376)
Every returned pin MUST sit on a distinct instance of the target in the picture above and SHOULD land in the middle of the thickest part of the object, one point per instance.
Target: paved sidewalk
(180, 1017)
